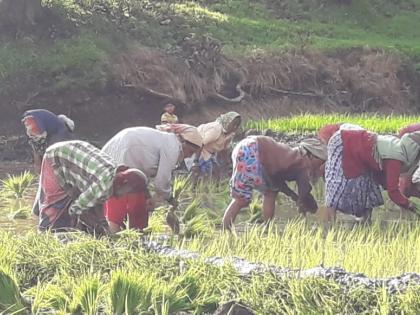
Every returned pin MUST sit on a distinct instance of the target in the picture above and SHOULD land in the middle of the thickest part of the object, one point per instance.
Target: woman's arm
(392, 171)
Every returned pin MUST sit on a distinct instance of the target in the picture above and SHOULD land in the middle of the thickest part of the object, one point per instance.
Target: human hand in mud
(307, 204)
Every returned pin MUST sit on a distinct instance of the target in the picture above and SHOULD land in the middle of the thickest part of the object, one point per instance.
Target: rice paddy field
(74, 273)
(310, 123)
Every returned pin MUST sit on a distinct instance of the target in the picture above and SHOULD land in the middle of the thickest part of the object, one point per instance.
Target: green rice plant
(49, 296)
(301, 245)
(10, 299)
(191, 210)
(127, 292)
(311, 123)
(255, 211)
(200, 224)
(135, 293)
(16, 185)
(22, 212)
(409, 301)
(157, 221)
(180, 185)
(86, 295)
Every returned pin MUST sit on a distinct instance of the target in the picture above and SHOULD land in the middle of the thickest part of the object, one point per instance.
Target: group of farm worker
(78, 180)
(81, 185)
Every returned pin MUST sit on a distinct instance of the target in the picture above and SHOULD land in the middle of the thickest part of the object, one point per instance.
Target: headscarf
(226, 119)
(315, 147)
(405, 149)
(409, 129)
(131, 176)
(187, 132)
(67, 121)
(326, 132)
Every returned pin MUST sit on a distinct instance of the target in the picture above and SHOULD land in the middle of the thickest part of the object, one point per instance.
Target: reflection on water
(285, 211)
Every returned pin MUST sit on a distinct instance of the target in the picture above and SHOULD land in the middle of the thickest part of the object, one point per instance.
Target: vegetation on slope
(76, 43)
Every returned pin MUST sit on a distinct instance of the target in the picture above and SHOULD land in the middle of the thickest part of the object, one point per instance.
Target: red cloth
(130, 207)
(54, 200)
(358, 159)
(391, 172)
(408, 129)
(327, 131)
(358, 152)
(135, 178)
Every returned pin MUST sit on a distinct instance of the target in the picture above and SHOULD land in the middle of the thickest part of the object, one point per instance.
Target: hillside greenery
(84, 36)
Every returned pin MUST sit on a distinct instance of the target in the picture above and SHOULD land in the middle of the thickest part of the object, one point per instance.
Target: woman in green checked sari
(76, 178)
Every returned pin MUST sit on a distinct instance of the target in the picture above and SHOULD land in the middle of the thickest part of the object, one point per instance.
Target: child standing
(168, 117)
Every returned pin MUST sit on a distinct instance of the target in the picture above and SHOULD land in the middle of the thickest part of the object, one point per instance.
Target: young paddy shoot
(311, 123)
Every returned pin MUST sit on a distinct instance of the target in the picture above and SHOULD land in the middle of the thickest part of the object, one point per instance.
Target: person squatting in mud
(76, 179)
(265, 165)
(359, 161)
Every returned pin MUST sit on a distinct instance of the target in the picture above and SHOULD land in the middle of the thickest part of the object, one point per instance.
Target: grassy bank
(311, 123)
(78, 49)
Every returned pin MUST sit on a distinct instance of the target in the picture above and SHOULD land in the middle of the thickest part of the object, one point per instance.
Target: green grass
(305, 123)
(92, 32)
(247, 25)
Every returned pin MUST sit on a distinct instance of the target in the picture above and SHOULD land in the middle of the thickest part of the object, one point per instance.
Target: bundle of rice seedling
(86, 295)
(16, 185)
(11, 301)
(126, 292)
(200, 224)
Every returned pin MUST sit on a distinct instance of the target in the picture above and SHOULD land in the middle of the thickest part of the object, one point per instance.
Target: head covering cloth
(315, 147)
(187, 132)
(226, 119)
(133, 177)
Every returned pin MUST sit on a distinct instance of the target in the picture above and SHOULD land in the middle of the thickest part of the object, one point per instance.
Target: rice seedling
(126, 292)
(17, 185)
(86, 295)
(310, 123)
(390, 250)
(10, 299)
(255, 211)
